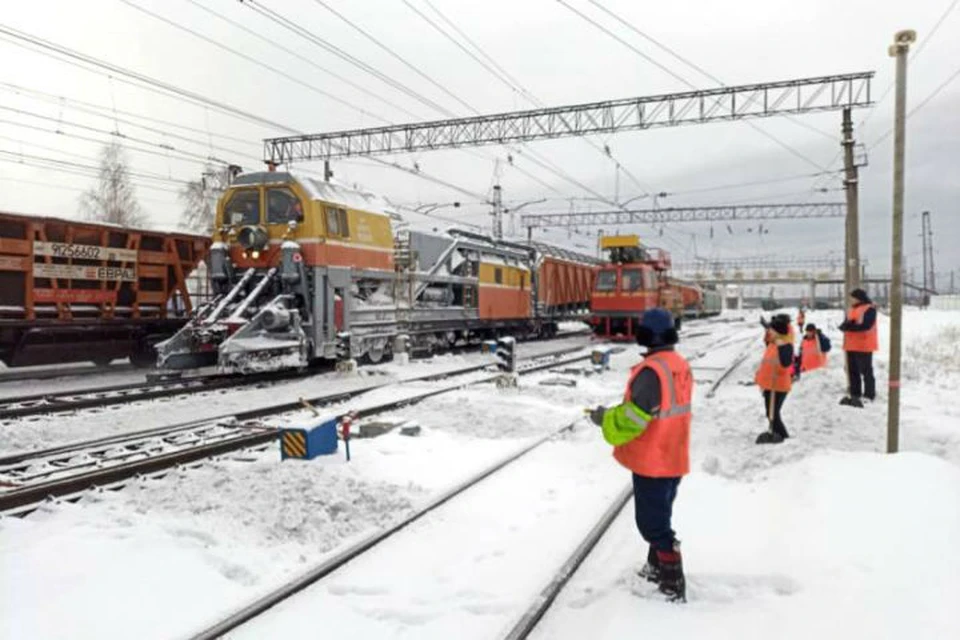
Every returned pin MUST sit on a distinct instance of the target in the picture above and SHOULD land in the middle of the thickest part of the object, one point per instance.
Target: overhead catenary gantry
(788, 97)
(723, 213)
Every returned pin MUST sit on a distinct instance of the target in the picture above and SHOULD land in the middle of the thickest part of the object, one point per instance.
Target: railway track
(523, 625)
(27, 479)
(30, 373)
(60, 402)
(519, 626)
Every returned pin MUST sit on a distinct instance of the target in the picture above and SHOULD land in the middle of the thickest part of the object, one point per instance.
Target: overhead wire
(111, 112)
(185, 155)
(497, 71)
(253, 60)
(311, 37)
(913, 57)
(920, 105)
(347, 81)
(91, 64)
(121, 74)
(676, 76)
(530, 154)
(343, 55)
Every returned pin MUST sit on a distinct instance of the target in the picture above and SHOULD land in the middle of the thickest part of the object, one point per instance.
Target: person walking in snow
(859, 342)
(774, 376)
(650, 434)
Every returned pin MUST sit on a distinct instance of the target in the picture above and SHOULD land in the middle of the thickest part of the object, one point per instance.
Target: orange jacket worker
(774, 376)
(859, 342)
(650, 434)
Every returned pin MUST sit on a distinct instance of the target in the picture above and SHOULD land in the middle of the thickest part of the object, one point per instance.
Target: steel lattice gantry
(774, 264)
(825, 93)
(732, 212)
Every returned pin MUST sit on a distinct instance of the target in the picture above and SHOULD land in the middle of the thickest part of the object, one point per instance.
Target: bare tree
(113, 199)
(199, 198)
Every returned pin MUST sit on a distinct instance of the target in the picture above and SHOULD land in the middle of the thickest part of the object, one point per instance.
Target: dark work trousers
(772, 402)
(653, 504)
(860, 366)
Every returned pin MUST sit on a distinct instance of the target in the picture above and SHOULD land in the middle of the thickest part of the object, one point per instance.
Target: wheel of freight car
(378, 352)
(102, 361)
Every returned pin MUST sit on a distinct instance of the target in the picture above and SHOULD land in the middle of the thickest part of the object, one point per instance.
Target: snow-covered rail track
(29, 478)
(23, 406)
(63, 401)
(17, 374)
(356, 551)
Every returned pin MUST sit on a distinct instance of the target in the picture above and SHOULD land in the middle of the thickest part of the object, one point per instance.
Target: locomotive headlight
(255, 255)
(253, 238)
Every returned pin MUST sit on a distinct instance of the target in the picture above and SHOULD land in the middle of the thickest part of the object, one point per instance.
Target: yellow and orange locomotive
(306, 270)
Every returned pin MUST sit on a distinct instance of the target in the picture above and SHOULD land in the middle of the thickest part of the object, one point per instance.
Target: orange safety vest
(810, 355)
(860, 341)
(663, 449)
(771, 375)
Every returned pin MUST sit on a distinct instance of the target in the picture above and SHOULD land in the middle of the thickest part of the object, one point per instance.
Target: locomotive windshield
(243, 208)
(632, 280)
(607, 280)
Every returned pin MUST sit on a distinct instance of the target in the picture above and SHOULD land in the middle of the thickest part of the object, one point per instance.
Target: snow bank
(839, 545)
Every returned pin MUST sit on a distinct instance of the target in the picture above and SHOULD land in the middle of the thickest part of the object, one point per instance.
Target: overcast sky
(553, 55)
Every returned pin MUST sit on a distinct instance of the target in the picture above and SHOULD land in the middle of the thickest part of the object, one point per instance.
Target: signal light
(506, 352)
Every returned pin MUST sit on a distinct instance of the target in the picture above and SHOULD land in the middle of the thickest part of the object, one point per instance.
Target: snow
(838, 545)
(821, 536)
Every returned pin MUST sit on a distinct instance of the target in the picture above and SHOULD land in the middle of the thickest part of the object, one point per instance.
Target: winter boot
(672, 583)
(856, 402)
(845, 400)
(769, 437)
(650, 571)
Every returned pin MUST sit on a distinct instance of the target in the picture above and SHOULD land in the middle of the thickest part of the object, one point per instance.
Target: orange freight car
(78, 291)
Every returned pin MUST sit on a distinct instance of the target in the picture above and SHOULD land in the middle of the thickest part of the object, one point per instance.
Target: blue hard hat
(657, 328)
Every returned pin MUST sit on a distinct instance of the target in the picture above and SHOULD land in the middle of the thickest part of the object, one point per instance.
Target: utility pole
(933, 273)
(899, 50)
(497, 212)
(850, 183)
(923, 241)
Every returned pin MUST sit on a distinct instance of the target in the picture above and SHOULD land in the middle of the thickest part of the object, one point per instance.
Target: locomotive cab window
(607, 280)
(632, 280)
(283, 207)
(498, 275)
(243, 208)
(653, 281)
(337, 222)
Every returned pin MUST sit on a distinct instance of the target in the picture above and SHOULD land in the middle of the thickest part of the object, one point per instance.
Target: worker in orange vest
(813, 349)
(774, 376)
(650, 434)
(860, 341)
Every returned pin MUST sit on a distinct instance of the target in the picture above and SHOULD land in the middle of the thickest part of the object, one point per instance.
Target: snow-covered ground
(822, 536)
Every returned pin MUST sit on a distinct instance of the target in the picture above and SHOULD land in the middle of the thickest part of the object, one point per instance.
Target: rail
(21, 495)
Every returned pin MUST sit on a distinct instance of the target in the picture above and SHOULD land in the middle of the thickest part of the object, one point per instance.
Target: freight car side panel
(72, 291)
(565, 284)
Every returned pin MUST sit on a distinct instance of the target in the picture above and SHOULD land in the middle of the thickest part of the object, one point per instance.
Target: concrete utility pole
(851, 185)
(899, 50)
(497, 212)
(933, 273)
(923, 248)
